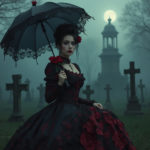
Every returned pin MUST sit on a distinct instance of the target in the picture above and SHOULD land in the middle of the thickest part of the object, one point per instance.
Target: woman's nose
(70, 45)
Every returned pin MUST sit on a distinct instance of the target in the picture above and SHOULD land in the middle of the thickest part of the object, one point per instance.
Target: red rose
(99, 131)
(92, 108)
(56, 59)
(79, 39)
(34, 3)
(97, 115)
(89, 126)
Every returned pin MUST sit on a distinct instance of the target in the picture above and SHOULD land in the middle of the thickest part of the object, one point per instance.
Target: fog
(89, 49)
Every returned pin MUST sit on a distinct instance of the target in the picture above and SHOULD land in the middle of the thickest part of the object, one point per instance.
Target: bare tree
(135, 19)
(9, 9)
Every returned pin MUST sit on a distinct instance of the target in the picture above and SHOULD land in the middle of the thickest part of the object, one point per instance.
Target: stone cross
(132, 71)
(108, 104)
(133, 106)
(141, 86)
(41, 89)
(28, 93)
(17, 88)
(127, 89)
(88, 92)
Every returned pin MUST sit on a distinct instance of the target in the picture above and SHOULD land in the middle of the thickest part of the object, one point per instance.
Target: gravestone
(17, 88)
(127, 90)
(108, 104)
(142, 86)
(88, 92)
(28, 93)
(133, 106)
(41, 90)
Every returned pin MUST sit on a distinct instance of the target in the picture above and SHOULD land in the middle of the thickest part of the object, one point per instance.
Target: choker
(66, 60)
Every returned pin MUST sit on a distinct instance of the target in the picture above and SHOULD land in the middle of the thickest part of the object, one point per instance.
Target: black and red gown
(70, 122)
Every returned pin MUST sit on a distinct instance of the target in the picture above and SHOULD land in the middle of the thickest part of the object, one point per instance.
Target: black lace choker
(65, 60)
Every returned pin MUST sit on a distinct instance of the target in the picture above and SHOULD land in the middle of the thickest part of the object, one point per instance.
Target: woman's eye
(66, 42)
(73, 43)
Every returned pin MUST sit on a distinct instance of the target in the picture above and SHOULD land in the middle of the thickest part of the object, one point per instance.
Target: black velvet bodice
(63, 93)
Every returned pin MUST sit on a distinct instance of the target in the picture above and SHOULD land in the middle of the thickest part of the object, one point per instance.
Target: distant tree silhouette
(9, 9)
(135, 19)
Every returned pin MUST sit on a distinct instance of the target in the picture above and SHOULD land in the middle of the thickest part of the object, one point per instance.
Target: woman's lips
(69, 51)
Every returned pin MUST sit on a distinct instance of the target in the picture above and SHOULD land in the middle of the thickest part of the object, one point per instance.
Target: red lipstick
(69, 51)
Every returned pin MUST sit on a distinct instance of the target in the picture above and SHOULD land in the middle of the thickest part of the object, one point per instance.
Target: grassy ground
(138, 129)
(136, 126)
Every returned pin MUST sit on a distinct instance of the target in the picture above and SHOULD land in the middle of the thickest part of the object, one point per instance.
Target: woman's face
(67, 46)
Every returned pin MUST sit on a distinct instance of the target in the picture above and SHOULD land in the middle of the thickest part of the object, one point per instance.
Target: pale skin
(67, 44)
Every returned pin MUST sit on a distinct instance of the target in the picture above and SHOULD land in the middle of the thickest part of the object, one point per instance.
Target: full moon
(110, 14)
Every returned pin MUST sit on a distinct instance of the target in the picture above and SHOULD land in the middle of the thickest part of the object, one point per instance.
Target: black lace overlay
(70, 122)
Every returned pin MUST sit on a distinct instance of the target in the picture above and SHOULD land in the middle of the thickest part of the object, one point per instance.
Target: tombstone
(127, 90)
(133, 106)
(28, 93)
(142, 86)
(17, 88)
(88, 92)
(41, 90)
(108, 104)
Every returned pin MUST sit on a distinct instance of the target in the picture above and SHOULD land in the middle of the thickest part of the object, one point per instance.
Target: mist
(89, 49)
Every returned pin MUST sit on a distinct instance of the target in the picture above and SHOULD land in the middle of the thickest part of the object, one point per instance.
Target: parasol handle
(67, 83)
(44, 30)
(58, 67)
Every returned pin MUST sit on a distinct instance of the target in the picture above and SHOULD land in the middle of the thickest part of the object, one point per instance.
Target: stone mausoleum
(110, 67)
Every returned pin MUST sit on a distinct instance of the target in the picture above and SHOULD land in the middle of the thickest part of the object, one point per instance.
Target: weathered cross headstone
(133, 106)
(28, 93)
(141, 86)
(108, 104)
(41, 89)
(127, 90)
(17, 88)
(88, 92)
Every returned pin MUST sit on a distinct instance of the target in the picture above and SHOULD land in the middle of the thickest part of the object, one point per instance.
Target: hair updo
(63, 30)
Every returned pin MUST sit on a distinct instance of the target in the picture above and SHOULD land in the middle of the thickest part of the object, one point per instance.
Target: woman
(69, 122)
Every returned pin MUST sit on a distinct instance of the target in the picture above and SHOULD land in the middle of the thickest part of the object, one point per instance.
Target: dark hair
(63, 30)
